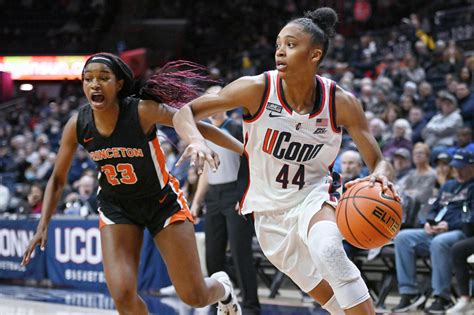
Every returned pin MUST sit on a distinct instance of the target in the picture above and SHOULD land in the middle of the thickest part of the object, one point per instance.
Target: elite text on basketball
(387, 219)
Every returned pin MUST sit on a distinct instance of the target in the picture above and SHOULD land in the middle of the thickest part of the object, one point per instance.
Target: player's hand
(40, 238)
(200, 154)
(195, 211)
(372, 178)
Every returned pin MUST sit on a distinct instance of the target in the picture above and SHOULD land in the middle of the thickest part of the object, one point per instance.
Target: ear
(316, 55)
(119, 85)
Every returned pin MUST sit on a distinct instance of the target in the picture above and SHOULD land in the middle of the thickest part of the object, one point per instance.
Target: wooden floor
(20, 300)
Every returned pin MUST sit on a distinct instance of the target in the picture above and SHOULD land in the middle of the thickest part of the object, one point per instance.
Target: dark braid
(174, 85)
(320, 25)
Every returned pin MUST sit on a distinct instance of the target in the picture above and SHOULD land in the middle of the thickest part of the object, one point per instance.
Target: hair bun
(325, 18)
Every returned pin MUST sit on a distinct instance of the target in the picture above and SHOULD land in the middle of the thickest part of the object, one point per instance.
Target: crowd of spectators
(47, 25)
(417, 92)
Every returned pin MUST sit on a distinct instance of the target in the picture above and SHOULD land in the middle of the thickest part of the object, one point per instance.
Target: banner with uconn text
(73, 255)
(14, 238)
(74, 258)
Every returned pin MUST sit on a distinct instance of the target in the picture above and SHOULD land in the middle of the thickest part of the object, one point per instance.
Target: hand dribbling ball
(367, 217)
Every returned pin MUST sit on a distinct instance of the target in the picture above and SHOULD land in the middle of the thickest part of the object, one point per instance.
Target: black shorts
(154, 213)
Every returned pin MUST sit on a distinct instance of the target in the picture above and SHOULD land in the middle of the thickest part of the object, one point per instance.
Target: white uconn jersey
(290, 155)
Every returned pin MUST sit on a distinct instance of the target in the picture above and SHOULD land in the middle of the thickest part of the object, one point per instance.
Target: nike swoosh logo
(88, 139)
(273, 115)
(163, 199)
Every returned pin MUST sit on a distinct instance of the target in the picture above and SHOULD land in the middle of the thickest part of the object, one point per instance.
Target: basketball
(367, 217)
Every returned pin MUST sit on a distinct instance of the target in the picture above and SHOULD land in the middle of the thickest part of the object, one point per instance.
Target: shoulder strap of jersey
(266, 92)
(83, 122)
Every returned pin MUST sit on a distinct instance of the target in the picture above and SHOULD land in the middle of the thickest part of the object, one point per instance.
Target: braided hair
(175, 84)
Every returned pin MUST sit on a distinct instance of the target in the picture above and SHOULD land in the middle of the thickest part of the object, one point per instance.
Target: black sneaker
(409, 302)
(439, 306)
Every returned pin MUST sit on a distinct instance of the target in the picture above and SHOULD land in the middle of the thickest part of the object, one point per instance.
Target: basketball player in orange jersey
(292, 134)
(136, 190)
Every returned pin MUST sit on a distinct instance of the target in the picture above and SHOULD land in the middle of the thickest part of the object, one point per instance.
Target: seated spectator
(367, 95)
(412, 72)
(391, 113)
(407, 102)
(465, 76)
(383, 99)
(463, 140)
(417, 120)
(35, 198)
(8, 167)
(427, 100)
(377, 128)
(401, 162)
(80, 163)
(460, 252)
(409, 90)
(351, 166)
(401, 138)
(441, 129)
(466, 103)
(444, 171)
(84, 201)
(419, 183)
(442, 229)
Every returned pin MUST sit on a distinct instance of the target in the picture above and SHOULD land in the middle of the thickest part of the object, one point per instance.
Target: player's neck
(300, 94)
(105, 121)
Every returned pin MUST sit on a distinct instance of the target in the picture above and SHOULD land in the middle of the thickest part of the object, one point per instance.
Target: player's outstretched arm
(152, 112)
(349, 113)
(245, 92)
(54, 187)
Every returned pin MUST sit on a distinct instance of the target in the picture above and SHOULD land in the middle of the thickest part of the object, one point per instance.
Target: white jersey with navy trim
(290, 155)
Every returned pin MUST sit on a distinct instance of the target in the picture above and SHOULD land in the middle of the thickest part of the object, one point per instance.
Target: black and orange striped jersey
(131, 164)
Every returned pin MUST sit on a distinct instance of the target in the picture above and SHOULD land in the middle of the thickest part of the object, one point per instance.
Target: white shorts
(283, 237)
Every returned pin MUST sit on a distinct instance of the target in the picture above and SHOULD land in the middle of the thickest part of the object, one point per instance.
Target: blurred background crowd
(409, 65)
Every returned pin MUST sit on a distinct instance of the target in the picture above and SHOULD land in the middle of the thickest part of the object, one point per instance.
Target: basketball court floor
(21, 300)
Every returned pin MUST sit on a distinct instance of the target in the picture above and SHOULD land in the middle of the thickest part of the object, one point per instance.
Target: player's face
(295, 53)
(100, 86)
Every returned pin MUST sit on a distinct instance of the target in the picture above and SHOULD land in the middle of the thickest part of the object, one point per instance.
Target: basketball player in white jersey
(292, 134)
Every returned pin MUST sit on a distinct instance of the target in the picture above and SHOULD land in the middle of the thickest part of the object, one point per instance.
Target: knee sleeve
(333, 307)
(325, 247)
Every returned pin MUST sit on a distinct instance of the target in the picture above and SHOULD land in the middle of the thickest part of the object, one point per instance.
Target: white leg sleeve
(326, 250)
(333, 307)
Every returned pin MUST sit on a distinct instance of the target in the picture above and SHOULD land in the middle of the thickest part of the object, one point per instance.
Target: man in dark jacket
(442, 229)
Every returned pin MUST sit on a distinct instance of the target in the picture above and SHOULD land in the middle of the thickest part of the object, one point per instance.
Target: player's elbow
(176, 117)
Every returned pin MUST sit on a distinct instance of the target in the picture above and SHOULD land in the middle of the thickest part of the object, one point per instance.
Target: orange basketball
(368, 218)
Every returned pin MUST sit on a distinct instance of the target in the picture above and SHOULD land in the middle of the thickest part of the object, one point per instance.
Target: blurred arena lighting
(26, 87)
